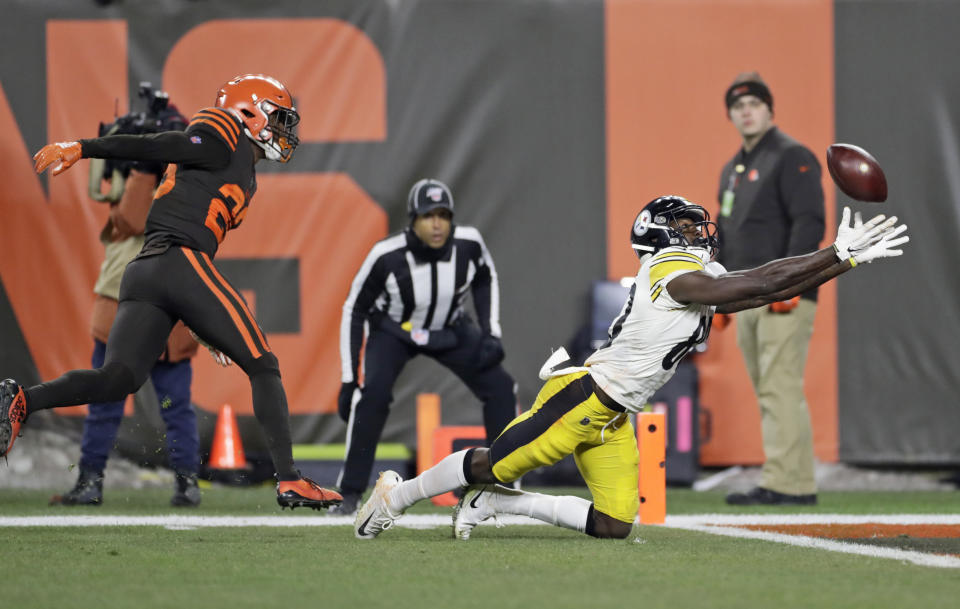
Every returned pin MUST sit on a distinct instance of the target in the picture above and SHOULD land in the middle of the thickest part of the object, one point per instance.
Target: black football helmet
(653, 229)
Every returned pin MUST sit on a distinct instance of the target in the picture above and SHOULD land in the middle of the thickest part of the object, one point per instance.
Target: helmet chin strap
(271, 153)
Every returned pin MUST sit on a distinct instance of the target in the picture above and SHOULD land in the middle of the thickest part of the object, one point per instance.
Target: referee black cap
(427, 195)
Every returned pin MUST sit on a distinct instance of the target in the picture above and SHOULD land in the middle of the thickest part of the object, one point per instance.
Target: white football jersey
(653, 331)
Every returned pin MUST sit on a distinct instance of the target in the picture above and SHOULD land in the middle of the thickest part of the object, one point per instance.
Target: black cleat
(348, 507)
(764, 496)
(186, 492)
(87, 491)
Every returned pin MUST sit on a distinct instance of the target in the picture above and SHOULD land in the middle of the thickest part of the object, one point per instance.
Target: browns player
(206, 192)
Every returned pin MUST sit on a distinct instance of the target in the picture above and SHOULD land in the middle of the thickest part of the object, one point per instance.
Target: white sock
(441, 478)
(564, 510)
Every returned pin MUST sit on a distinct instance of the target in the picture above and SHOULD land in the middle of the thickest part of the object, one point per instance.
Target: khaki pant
(774, 347)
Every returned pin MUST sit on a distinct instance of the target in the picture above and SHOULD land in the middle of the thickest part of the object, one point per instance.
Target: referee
(410, 291)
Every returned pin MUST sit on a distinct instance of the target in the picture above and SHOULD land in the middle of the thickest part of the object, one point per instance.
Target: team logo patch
(585, 421)
(435, 193)
(753, 175)
(642, 223)
(420, 337)
(195, 139)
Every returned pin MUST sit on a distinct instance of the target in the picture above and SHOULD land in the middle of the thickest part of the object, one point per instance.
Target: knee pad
(265, 364)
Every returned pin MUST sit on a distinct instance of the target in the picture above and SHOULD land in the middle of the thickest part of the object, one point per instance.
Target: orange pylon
(651, 437)
(226, 452)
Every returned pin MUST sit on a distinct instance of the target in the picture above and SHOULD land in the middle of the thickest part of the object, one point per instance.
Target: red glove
(721, 321)
(64, 154)
(784, 306)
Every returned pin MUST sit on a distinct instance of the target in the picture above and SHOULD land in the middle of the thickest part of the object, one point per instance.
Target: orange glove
(721, 321)
(784, 306)
(64, 154)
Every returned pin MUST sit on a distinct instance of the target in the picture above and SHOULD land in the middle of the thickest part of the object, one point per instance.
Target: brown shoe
(306, 493)
(13, 411)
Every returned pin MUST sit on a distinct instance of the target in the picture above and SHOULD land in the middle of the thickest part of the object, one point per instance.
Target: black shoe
(187, 492)
(87, 491)
(348, 507)
(764, 496)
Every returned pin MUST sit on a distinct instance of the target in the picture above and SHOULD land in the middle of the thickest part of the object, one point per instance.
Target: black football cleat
(186, 490)
(87, 491)
(764, 496)
(348, 507)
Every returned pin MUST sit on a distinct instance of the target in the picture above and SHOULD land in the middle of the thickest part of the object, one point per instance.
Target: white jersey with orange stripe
(653, 331)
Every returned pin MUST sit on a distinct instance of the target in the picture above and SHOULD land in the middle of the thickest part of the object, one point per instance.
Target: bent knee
(119, 381)
(265, 364)
(620, 531)
(480, 469)
(607, 527)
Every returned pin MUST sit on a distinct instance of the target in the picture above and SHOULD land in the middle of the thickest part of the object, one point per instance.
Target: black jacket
(778, 208)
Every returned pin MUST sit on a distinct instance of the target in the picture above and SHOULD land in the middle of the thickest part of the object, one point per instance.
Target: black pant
(385, 356)
(155, 292)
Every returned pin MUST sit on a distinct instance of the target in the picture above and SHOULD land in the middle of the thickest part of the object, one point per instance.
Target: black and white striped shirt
(428, 294)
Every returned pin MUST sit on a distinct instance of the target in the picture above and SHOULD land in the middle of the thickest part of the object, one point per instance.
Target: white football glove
(859, 236)
(218, 356)
(882, 248)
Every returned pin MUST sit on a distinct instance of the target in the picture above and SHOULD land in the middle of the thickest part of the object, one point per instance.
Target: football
(856, 173)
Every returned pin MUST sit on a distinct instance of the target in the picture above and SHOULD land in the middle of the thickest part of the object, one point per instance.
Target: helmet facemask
(278, 137)
(707, 230)
(658, 227)
(265, 107)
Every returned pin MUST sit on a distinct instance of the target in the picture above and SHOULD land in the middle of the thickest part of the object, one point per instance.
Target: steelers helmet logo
(642, 224)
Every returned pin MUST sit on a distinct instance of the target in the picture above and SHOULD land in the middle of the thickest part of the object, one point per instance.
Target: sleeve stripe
(219, 129)
(223, 118)
(672, 266)
(667, 256)
(656, 292)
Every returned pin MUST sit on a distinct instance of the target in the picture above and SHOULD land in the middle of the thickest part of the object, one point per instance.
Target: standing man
(771, 206)
(206, 192)
(410, 290)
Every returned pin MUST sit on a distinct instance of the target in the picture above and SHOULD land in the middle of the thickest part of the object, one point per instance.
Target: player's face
(433, 227)
(688, 228)
(751, 116)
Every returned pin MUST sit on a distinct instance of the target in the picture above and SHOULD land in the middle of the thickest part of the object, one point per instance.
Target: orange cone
(227, 450)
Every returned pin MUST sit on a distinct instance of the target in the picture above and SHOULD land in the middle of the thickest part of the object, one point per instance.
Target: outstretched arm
(787, 277)
(798, 288)
(762, 285)
(168, 147)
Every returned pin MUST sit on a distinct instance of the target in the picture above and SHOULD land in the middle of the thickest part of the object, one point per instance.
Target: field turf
(516, 566)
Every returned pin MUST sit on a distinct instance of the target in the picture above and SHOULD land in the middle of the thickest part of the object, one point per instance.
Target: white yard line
(715, 524)
(725, 524)
(414, 521)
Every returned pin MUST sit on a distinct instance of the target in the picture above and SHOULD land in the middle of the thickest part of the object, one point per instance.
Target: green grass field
(519, 566)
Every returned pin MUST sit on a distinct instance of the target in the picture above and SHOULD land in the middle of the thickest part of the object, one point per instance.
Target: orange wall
(668, 65)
